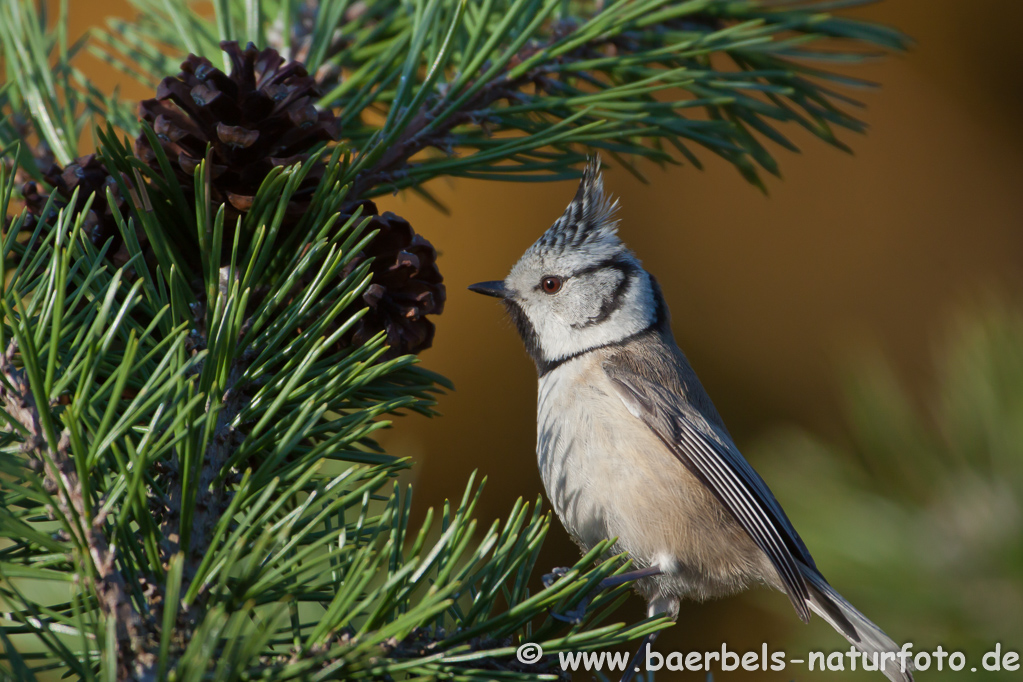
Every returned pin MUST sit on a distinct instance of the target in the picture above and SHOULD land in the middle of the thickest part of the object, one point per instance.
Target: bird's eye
(550, 284)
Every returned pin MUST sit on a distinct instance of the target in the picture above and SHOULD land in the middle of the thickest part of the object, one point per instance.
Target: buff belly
(621, 482)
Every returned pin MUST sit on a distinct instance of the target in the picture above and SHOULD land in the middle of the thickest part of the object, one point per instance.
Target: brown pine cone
(35, 201)
(89, 177)
(406, 286)
(261, 116)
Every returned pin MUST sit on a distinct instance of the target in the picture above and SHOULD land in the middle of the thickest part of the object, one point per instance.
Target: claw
(573, 616)
(552, 577)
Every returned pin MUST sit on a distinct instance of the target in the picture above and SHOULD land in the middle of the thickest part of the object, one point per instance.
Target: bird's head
(578, 287)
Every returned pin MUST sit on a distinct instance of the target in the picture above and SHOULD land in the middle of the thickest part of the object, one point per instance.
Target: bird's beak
(495, 289)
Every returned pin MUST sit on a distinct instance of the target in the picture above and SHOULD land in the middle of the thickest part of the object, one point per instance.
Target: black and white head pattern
(578, 287)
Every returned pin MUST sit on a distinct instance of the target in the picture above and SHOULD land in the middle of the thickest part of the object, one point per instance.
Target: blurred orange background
(770, 295)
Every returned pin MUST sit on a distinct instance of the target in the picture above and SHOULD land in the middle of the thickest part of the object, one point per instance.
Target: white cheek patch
(633, 313)
(587, 299)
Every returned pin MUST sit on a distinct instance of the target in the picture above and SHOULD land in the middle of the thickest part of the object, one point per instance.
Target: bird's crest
(589, 219)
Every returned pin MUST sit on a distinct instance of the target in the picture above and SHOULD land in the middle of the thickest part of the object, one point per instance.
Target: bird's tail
(855, 627)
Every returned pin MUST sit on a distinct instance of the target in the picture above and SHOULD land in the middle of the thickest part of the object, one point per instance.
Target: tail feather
(854, 626)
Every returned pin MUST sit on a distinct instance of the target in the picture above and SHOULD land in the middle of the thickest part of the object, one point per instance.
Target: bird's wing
(708, 452)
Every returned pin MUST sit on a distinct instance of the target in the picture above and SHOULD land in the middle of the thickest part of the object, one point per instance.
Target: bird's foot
(575, 614)
(628, 576)
(552, 577)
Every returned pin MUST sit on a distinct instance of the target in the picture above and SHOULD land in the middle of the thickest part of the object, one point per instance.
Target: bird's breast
(608, 475)
(597, 461)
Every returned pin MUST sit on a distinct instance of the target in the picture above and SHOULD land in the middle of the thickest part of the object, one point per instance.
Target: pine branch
(515, 89)
(61, 479)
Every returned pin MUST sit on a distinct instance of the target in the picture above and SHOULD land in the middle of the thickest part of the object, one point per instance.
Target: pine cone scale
(236, 136)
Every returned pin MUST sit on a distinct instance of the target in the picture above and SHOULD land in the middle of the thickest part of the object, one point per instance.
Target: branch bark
(61, 481)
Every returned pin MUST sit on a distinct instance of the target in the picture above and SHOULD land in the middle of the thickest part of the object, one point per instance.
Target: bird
(629, 444)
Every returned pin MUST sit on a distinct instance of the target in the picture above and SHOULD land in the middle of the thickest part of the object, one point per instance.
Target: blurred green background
(859, 329)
